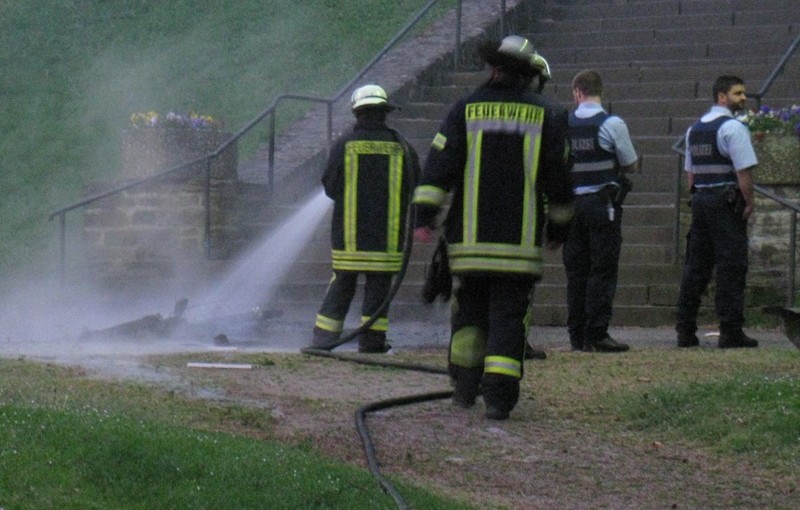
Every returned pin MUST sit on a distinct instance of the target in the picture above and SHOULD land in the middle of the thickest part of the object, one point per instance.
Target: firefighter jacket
(503, 152)
(370, 175)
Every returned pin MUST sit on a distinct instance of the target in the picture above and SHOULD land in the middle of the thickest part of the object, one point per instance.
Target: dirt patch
(539, 458)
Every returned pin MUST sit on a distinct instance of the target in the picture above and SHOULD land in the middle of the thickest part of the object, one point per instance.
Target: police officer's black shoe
(495, 413)
(687, 339)
(607, 344)
(534, 353)
(735, 340)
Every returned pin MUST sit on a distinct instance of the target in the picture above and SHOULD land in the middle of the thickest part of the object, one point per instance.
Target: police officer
(719, 163)
(603, 152)
(367, 176)
(502, 157)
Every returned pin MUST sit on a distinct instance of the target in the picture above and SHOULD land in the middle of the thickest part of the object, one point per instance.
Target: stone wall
(154, 235)
(147, 151)
(769, 241)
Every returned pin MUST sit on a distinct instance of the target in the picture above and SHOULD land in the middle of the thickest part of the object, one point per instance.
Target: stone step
(644, 145)
(658, 59)
(753, 70)
(411, 292)
(644, 306)
(543, 41)
(427, 110)
(661, 8)
(318, 271)
(628, 108)
(578, 20)
(690, 51)
(561, 91)
(650, 252)
(660, 165)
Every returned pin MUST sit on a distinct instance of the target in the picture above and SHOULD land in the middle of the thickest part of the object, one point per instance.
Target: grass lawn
(72, 440)
(74, 72)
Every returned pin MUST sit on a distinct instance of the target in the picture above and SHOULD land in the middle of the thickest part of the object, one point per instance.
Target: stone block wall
(152, 236)
(769, 239)
(147, 151)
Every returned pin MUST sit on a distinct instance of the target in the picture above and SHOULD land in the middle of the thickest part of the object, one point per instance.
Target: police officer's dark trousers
(717, 237)
(489, 327)
(591, 259)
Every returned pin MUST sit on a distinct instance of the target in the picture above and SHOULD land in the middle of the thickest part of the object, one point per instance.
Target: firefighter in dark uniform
(603, 153)
(502, 157)
(719, 163)
(367, 176)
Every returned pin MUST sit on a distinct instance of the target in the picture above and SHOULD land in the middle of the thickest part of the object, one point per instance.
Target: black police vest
(594, 166)
(709, 166)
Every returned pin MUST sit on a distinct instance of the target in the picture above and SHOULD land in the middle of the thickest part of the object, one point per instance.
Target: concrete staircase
(658, 59)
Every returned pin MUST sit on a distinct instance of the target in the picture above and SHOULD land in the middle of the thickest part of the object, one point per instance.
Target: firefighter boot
(373, 342)
(466, 385)
(324, 340)
(500, 394)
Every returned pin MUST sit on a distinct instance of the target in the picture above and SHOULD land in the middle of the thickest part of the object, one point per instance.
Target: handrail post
(271, 159)
(457, 49)
(676, 230)
(330, 124)
(503, 27)
(792, 259)
(62, 248)
(207, 240)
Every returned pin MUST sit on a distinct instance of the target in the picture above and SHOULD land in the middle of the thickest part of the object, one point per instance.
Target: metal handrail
(679, 147)
(269, 111)
(776, 72)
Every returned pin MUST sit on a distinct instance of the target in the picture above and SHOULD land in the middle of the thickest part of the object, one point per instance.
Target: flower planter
(148, 151)
(778, 160)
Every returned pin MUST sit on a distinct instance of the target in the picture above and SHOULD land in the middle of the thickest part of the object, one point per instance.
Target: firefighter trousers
(339, 296)
(489, 326)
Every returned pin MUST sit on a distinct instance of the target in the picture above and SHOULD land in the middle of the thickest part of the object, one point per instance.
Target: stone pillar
(153, 235)
(148, 151)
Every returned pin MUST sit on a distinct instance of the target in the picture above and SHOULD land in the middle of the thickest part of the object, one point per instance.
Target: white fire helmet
(541, 64)
(370, 96)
